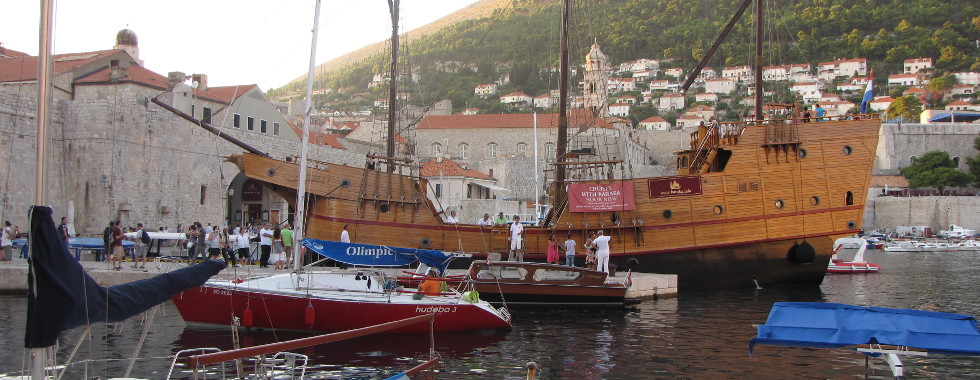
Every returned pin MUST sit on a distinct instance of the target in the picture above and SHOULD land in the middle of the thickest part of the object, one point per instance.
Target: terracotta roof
(958, 103)
(230, 93)
(890, 180)
(450, 168)
(10, 53)
(883, 99)
(24, 68)
(134, 74)
(654, 119)
(576, 118)
(916, 60)
(517, 93)
(898, 76)
(324, 138)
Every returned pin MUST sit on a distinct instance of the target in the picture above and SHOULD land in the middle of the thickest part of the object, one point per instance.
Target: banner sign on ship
(674, 186)
(616, 196)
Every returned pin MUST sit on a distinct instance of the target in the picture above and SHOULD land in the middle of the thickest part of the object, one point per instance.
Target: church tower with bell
(126, 40)
(595, 91)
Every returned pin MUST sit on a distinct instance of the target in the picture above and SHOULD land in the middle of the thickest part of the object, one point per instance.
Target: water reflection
(701, 334)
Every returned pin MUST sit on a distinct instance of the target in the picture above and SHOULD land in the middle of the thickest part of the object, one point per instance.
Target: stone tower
(126, 40)
(596, 79)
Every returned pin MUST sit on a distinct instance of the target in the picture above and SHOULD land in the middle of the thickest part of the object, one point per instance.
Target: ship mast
(758, 61)
(393, 84)
(562, 144)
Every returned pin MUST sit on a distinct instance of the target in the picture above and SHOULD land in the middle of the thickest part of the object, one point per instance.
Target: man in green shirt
(500, 220)
(287, 242)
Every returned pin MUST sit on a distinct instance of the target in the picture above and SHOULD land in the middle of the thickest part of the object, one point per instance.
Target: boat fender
(310, 317)
(802, 253)
(471, 296)
(369, 281)
(247, 318)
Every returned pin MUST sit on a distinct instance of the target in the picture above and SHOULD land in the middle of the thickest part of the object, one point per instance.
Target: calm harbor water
(700, 334)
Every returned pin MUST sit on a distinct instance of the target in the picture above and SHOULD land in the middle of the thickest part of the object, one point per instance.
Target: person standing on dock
(602, 252)
(552, 249)
(344, 235)
(241, 242)
(265, 243)
(570, 251)
(63, 229)
(287, 242)
(117, 246)
(141, 248)
(7, 242)
(516, 235)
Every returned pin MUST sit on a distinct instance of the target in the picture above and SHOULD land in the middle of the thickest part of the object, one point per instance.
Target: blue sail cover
(62, 296)
(377, 255)
(833, 325)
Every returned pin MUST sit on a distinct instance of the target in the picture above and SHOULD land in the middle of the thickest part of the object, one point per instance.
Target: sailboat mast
(758, 60)
(301, 188)
(393, 83)
(45, 71)
(562, 144)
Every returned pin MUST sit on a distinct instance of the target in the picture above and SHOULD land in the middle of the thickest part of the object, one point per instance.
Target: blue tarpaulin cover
(378, 255)
(832, 325)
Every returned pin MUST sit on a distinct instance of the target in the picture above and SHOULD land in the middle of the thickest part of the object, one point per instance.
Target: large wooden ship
(753, 203)
(765, 202)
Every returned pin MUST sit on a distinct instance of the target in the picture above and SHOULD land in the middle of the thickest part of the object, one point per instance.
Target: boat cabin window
(667, 214)
(849, 198)
(778, 203)
(847, 149)
(508, 273)
(802, 153)
(555, 274)
(814, 200)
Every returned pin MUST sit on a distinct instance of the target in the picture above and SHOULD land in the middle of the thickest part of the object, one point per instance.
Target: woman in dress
(590, 251)
(552, 250)
(278, 250)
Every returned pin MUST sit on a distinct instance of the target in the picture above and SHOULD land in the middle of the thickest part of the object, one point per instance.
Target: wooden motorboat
(527, 284)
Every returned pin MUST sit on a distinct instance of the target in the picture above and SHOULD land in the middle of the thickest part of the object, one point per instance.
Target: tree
(974, 163)
(935, 169)
(906, 107)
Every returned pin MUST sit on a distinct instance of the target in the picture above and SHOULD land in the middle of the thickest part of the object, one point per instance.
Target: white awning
(489, 186)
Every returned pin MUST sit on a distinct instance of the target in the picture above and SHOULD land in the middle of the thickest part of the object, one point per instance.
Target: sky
(233, 42)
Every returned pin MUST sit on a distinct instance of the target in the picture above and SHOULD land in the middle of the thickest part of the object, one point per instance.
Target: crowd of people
(199, 241)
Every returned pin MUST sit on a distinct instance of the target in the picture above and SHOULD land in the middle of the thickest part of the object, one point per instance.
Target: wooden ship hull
(526, 284)
(751, 204)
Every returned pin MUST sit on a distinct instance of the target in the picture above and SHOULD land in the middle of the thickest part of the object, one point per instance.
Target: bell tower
(596, 80)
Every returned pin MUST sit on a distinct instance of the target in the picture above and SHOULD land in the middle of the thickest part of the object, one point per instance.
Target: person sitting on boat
(452, 219)
(431, 286)
(516, 233)
(501, 220)
(485, 221)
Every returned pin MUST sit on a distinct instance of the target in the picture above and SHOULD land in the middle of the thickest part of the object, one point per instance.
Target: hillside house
(471, 111)
(959, 105)
(842, 68)
(628, 99)
(904, 80)
(720, 85)
(971, 78)
(675, 72)
(689, 122)
(914, 65)
(880, 104)
(670, 102)
(619, 109)
(654, 123)
(738, 73)
(543, 101)
(709, 97)
(702, 111)
(517, 99)
(962, 90)
(485, 90)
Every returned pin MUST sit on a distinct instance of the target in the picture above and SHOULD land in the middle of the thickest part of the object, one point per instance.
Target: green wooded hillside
(522, 40)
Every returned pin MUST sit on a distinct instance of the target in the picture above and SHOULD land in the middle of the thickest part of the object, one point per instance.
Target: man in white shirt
(452, 219)
(602, 252)
(344, 235)
(485, 221)
(265, 243)
(516, 233)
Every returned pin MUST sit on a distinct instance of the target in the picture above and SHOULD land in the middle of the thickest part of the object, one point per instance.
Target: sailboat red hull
(212, 305)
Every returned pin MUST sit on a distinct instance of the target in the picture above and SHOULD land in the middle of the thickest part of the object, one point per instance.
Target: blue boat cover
(378, 255)
(833, 325)
(62, 296)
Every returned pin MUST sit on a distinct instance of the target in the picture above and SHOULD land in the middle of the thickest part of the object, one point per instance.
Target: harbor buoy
(247, 318)
(310, 317)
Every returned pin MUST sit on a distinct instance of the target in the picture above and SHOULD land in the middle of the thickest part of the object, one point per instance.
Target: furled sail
(377, 255)
(62, 296)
